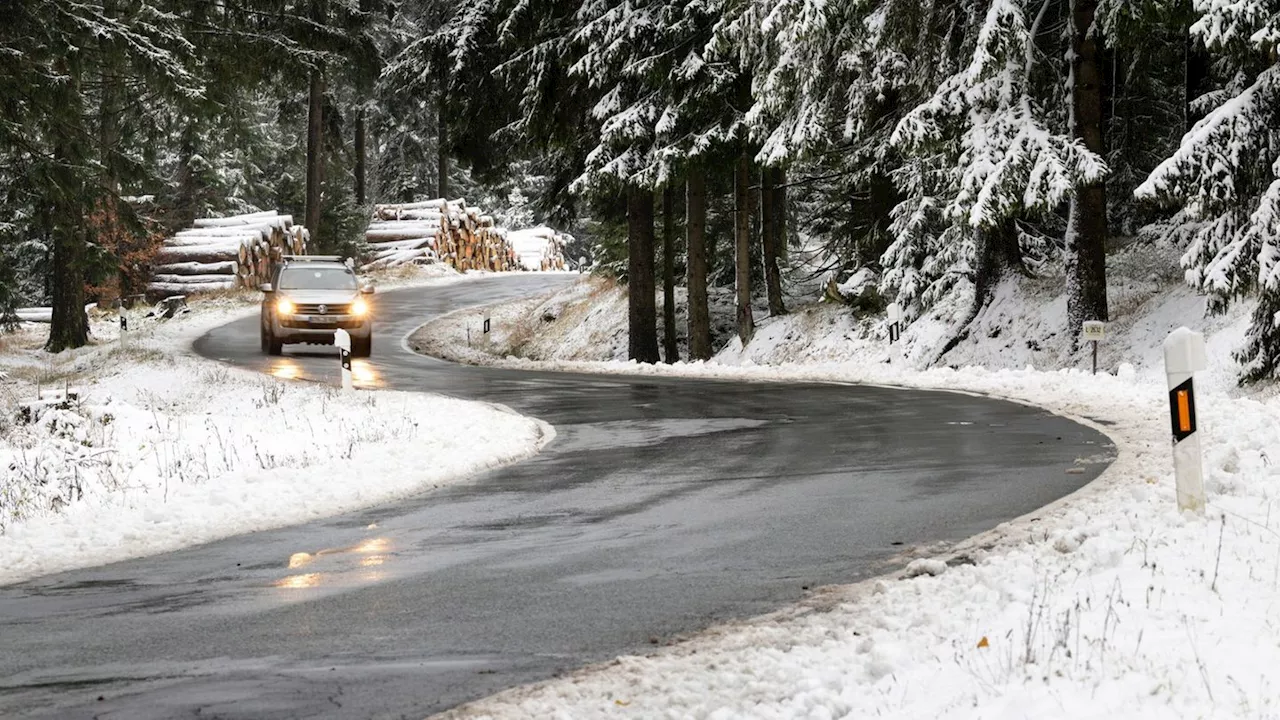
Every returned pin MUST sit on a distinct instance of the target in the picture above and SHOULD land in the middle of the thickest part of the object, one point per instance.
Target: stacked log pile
(539, 248)
(225, 253)
(449, 232)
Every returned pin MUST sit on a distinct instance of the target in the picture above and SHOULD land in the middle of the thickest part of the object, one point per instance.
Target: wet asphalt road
(662, 507)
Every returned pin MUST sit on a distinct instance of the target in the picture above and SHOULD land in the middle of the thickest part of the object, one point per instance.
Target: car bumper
(304, 329)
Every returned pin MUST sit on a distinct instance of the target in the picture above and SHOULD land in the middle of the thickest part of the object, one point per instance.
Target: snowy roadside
(1108, 603)
(161, 449)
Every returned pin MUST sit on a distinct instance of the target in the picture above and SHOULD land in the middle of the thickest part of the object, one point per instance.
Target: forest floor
(118, 450)
(1108, 603)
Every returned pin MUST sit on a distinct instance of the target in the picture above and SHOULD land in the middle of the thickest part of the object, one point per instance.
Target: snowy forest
(942, 144)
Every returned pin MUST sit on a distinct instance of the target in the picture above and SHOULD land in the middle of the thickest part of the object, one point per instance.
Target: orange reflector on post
(1184, 411)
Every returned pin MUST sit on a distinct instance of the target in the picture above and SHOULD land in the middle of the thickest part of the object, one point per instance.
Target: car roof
(325, 264)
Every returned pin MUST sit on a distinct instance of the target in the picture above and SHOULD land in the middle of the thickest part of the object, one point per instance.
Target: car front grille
(329, 309)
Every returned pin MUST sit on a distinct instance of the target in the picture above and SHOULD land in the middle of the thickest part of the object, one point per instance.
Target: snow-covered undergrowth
(159, 449)
(1110, 603)
(585, 321)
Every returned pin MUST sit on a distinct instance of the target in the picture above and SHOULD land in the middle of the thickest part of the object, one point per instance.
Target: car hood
(320, 296)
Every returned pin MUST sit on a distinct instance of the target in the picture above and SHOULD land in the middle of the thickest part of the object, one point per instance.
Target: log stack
(225, 253)
(539, 248)
(453, 233)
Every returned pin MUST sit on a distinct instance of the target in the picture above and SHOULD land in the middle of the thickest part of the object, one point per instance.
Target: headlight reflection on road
(286, 369)
(373, 546)
(365, 374)
(299, 582)
(370, 554)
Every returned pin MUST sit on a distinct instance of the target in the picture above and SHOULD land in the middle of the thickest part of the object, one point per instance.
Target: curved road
(663, 506)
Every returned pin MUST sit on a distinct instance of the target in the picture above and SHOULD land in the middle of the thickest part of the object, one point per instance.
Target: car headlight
(284, 306)
(359, 307)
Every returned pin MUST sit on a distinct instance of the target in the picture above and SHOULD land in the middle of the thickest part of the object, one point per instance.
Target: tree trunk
(742, 247)
(442, 154)
(696, 271)
(360, 158)
(1197, 67)
(188, 190)
(769, 236)
(112, 236)
(780, 213)
(69, 326)
(315, 152)
(1087, 223)
(997, 251)
(670, 349)
(642, 312)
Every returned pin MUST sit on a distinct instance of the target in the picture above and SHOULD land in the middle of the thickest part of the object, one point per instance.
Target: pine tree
(1226, 178)
(1010, 162)
(69, 136)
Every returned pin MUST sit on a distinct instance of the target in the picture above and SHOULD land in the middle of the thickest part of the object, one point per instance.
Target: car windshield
(317, 278)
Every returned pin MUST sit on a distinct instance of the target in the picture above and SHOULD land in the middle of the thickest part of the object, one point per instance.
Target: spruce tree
(1225, 177)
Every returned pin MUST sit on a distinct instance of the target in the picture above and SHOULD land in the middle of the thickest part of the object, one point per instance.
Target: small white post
(124, 327)
(1094, 331)
(1183, 356)
(895, 327)
(342, 339)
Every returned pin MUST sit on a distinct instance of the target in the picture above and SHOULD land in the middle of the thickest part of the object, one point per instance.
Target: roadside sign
(1095, 330)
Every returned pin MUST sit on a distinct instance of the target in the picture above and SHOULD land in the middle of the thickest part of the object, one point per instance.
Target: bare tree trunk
(1087, 223)
(442, 154)
(315, 151)
(670, 349)
(769, 236)
(642, 312)
(696, 271)
(360, 158)
(742, 247)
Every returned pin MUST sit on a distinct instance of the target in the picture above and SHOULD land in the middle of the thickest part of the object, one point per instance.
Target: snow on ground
(1109, 603)
(161, 449)
(585, 321)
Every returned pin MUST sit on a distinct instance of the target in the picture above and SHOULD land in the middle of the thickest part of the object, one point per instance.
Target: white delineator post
(1183, 356)
(895, 326)
(342, 339)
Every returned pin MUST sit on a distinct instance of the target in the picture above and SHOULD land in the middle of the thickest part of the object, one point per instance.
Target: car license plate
(323, 320)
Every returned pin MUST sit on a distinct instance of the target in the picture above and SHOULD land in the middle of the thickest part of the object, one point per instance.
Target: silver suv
(310, 297)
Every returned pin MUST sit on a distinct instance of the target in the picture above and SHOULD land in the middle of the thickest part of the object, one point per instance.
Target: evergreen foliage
(932, 141)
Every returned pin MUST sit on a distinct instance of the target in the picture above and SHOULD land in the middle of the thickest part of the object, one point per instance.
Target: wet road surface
(663, 506)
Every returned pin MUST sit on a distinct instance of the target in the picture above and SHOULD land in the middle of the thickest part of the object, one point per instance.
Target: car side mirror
(366, 289)
(267, 288)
